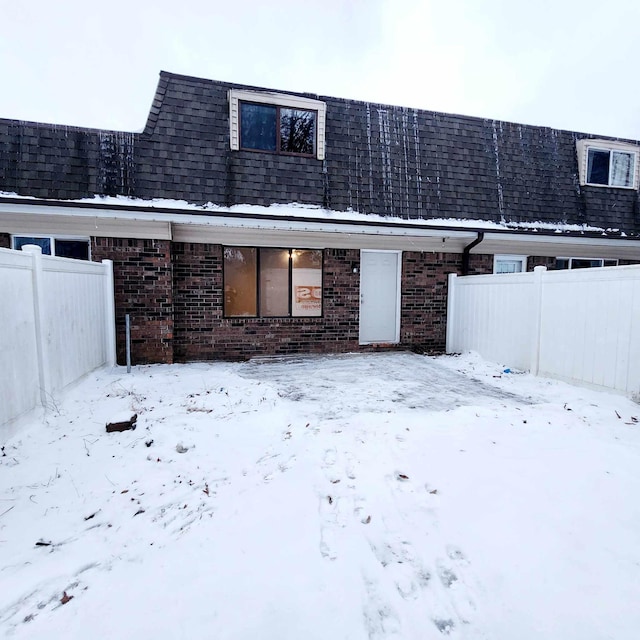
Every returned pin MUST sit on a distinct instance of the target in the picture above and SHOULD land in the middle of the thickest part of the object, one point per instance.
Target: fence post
(451, 310)
(110, 314)
(538, 275)
(42, 348)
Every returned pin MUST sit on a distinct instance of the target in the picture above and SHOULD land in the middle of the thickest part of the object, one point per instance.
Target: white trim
(504, 257)
(185, 225)
(398, 296)
(582, 148)
(280, 99)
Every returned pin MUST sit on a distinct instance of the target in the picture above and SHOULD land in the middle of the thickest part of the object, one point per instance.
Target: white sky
(562, 63)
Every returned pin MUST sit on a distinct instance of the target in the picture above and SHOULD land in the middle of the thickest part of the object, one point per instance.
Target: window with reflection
(274, 283)
(584, 263)
(77, 248)
(610, 168)
(265, 127)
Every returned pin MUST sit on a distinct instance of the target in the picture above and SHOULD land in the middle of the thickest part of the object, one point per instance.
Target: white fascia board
(560, 245)
(191, 227)
(28, 220)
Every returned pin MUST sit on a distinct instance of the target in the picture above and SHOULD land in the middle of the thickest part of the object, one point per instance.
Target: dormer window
(276, 123)
(607, 163)
(265, 127)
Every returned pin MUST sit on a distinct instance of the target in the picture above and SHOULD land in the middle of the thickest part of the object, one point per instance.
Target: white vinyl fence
(577, 325)
(56, 325)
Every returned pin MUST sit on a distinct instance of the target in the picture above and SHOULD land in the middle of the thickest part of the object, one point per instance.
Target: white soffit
(83, 225)
(552, 246)
(262, 231)
(322, 239)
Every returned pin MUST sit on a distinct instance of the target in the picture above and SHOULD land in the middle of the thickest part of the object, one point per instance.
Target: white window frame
(582, 148)
(52, 239)
(602, 260)
(509, 258)
(267, 97)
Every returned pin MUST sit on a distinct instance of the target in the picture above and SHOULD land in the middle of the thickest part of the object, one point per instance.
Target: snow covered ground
(344, 497)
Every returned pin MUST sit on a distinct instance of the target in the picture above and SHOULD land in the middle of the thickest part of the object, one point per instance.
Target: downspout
(467, 250)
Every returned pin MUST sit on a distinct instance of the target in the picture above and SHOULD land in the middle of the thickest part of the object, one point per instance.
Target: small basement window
(509, 264)
(608, 164)
(63, 247)
(276, 123)
(272, 283)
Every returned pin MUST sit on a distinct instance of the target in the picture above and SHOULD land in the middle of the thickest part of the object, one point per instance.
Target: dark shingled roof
(380, 159)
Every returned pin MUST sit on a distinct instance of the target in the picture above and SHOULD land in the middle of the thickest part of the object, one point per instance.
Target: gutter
(175, 213)
(467, 250)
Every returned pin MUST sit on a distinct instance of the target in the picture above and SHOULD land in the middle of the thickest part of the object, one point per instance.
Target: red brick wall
(479, 263)
(5, 241)
(424, 298)
(540, 261)
(201, 332)
(143, 289)
(174, 295)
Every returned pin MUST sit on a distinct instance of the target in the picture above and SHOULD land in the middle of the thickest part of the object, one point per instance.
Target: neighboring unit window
(610, 168)
(509, 264)
(584, 263)
(278, 123)
(273, 128)
(61, 247)
(272, 282)
(608, 163)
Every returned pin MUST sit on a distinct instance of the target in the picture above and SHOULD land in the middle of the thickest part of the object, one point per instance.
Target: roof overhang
(236, 228)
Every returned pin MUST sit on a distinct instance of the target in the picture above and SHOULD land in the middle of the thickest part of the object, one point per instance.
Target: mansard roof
(380, 160)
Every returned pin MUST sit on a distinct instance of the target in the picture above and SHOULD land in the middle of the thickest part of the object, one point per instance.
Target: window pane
(240, 282)
(610, 263)
(598, 167)
(78, 249)
(257, 126)
(508, 266)
(306, 283)
(562, 263)
(297, 131)
(621, 169)
(44, 243)
(585, 263)
(274, 282)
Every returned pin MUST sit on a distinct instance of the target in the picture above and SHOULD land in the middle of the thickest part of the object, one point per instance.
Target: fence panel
(56, 325)
(494, 316)
(581, 325)
(19, 388)
(75, 308)
(591, 329)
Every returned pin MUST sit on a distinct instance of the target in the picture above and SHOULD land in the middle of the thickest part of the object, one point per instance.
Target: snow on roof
(296, 209)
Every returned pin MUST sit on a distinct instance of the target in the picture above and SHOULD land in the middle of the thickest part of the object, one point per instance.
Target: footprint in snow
(381, 619)
(403, 566)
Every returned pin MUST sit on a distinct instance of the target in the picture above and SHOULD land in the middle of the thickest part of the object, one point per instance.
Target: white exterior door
(380, 296)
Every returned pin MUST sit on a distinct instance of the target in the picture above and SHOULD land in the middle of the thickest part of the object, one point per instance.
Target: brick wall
(143, 289)
(424, 298)
(201, 332)
(480, 263)
(540, 261)
(174, 293)
(5, 241)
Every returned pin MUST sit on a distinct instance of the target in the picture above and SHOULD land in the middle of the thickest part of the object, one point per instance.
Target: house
(247, 222)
